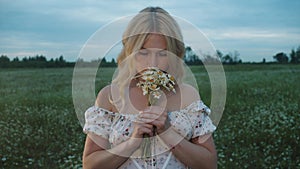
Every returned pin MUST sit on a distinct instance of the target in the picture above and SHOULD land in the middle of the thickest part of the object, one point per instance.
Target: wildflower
(152, 80)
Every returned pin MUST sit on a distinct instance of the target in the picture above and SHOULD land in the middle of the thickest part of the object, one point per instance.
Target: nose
(153, 60)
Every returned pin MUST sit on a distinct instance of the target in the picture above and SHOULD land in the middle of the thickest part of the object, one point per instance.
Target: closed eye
(143, 52)
(162, 53)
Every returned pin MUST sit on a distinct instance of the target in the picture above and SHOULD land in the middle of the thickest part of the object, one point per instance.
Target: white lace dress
(190, 122)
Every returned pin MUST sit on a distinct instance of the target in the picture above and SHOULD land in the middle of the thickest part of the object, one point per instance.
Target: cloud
(253, 43)
(29, 44)
(55, 27)
(252, 33)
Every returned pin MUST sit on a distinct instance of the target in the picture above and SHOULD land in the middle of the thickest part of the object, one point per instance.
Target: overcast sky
(257, 29)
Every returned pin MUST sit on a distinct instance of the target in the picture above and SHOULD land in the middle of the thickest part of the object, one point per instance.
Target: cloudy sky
(257, 29)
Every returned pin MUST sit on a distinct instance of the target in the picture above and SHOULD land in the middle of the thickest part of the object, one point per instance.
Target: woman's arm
(94, 156)
(97, 152)
(192, 153)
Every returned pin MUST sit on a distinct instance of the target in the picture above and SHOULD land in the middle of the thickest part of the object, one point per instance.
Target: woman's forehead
(155, 41)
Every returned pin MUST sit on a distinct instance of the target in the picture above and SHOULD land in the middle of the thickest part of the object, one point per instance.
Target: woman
(122, 117)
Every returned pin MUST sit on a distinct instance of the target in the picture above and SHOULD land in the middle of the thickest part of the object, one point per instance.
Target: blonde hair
(151, 20)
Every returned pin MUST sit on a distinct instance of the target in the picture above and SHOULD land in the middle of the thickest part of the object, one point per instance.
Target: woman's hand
(156, 116)
(141, 128)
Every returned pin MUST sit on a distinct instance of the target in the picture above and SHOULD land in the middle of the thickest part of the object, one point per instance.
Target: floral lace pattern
(190, 122)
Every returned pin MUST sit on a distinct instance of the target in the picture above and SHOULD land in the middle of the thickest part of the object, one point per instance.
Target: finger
(145, 130)
(140, 119)
(147, 125)
(162, 120)
(145, 121)
(143, 125)
(157, 123)
(141, 132)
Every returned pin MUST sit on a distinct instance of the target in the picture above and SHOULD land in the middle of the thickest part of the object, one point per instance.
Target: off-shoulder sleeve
(202, 124)
(98, 121)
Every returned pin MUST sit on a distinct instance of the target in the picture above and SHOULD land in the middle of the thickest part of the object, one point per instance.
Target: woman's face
(153, 53)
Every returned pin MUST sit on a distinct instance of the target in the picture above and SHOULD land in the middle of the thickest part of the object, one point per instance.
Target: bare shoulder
(103, 98)
(189, 94)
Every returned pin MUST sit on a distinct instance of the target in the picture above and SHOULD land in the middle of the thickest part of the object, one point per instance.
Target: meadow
(259, 127)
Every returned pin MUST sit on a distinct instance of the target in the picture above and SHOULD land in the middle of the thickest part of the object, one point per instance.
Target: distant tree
(61, 59)
(60, 62)
(298, 53)
(191, 57)
(235, 57)
(188, 50)
(219, 54)
(113, 61)
(230, 58)
(80, 60)
(264, 60)
(15, 62)
(25, 59)
(103, 61)
(293, 57)
(4, 61)
(16, 59)
(281, 57)
(208, 59)
(227, 59)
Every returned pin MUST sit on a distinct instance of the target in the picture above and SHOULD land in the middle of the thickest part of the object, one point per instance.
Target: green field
(259, 128)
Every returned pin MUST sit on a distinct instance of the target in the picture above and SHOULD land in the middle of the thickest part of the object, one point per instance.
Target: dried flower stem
(152, 80)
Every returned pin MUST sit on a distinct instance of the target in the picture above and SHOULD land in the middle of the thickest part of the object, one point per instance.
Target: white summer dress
(190, 122)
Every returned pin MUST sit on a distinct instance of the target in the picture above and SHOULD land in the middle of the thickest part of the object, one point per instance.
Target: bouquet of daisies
(152, 81)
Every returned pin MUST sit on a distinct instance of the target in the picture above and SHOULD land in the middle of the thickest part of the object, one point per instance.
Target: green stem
(146, 144)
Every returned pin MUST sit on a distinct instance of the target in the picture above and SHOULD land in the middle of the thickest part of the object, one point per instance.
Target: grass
(38, 123)
(259, 127)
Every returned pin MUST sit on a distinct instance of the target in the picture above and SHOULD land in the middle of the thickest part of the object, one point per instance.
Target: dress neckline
(195, 104)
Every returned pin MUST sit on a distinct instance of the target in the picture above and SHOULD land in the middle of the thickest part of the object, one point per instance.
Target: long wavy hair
(151, 20)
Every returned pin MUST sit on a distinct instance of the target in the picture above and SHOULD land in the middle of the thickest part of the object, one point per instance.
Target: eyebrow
(154, 48)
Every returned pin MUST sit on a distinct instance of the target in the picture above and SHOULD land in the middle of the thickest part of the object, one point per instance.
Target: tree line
(38, 61)
(190, 58)
(294, 56)
(103, 62)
